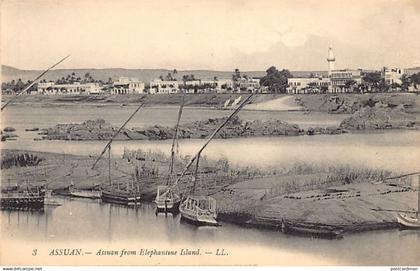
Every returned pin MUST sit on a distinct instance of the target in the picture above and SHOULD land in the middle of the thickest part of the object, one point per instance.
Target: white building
(45, 88)
(159, 86)
(307, 85)
(126, 85)
(224, 85)
(51, 88)
(192, 86)
(392, 75)
(249, 84)
(344, 81)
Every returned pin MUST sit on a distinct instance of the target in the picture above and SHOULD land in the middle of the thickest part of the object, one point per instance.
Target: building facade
(126, 85)
(344, 81)
(392, 75)
(247, 84)
(51, 88)
(159, 86)
(307, 85)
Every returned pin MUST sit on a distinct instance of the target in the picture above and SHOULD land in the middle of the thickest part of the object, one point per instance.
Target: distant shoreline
(328, 103)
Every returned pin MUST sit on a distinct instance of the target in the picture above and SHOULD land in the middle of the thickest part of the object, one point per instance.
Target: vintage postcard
(231, 132)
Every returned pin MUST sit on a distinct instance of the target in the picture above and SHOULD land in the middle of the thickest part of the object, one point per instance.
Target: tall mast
(195, 175)
(212, 136)
(174, 141)
(418, 197)
(109, 165)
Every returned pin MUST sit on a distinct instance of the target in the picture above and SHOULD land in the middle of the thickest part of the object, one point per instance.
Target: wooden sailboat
(411, 220)
(113, 193)
(199, 209)
(167, 196)
(196, 209)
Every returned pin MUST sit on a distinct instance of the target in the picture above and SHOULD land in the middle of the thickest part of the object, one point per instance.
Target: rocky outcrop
(100, 130)
(380, 116)
(88, 130)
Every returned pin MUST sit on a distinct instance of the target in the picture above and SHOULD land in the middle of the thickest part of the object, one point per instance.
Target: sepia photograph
(210, 133)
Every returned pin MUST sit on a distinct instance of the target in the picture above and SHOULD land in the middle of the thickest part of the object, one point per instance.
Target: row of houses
(125, 85)
(340, 81)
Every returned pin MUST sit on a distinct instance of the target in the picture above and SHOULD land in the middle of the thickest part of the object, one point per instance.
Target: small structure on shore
(22, 199)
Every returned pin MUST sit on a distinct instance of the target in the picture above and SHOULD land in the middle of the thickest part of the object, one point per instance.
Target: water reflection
(89, 220)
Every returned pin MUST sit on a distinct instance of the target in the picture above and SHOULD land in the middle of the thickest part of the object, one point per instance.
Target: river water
(91, 221)
(85, 221)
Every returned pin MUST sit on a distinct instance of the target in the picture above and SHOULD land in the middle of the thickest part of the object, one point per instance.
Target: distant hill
(10, 73)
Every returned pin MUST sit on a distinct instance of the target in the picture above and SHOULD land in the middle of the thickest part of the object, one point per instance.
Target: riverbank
(350, 103)
(194, 100)
(337, 198)
(328, 103)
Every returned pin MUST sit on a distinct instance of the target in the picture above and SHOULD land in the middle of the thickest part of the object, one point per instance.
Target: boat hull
(196, 219)
(311, 230)
(118, 198)
(171, 206)
(22, 202)
(406, 222)
(86, 194)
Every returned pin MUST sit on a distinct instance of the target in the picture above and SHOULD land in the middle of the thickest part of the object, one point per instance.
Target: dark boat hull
(86, 194)
(117, 198)
(311, 230)
(33, 202)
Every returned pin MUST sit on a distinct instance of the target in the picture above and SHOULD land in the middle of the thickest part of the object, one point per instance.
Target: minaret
(331, 60)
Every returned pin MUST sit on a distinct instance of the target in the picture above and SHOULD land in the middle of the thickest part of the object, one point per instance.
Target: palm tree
(169, 77)
(185, 78)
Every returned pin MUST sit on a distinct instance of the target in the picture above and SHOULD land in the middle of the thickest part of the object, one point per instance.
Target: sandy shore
(286, 103)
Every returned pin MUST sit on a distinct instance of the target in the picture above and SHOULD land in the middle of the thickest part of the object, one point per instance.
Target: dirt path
(286, 103)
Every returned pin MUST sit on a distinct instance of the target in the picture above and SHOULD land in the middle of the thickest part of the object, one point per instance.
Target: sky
(217, 35)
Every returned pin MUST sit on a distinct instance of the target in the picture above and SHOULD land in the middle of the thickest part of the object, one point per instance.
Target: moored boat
(84, 193)
(411, 220)
(112, 193)
(23, 199)
(167, 200)
(405, 221)
(118, 196)
(314, 230)
(167, 196)
(199, 210)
